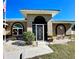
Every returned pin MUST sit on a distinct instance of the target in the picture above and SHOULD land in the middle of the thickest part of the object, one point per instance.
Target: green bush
(13, 38)
(28, 37)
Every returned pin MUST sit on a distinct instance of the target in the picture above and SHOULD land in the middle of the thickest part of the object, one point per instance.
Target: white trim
(36, 31)
(52, 12)
(17, 28)
(39, 24)
(39, 11)
(17, 32)
(43, 32)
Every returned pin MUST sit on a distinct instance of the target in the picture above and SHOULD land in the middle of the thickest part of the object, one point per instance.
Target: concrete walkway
(36, 51)
(59, 41)
(14, 51)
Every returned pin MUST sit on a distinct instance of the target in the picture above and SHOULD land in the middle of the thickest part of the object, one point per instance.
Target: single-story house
(40, 23)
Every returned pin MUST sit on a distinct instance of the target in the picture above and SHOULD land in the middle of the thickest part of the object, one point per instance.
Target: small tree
(28, 37)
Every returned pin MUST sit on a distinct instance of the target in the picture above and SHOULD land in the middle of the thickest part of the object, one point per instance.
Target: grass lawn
(61, 51)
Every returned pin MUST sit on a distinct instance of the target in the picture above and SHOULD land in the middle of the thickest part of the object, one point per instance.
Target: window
(17, 29)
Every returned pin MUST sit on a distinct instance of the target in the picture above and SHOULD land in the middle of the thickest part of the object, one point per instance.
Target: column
(49, 26)
(29, 26)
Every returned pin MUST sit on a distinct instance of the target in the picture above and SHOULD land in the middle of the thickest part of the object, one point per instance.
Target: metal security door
(39, 32)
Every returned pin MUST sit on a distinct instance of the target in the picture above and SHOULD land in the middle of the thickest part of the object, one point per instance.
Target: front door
(39, 32)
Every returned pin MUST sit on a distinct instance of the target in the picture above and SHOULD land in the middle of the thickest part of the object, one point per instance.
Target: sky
(66, 8)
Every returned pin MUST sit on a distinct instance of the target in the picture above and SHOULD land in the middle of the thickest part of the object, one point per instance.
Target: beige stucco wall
(27, 23)
(51, 26)
(10, 23)
(31, 17)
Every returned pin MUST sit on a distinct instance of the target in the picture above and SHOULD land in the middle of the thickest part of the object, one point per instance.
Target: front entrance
(39, 28)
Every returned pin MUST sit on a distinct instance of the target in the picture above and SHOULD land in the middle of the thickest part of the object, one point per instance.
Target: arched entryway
(39, 27)
(17, 29)
(60, 29)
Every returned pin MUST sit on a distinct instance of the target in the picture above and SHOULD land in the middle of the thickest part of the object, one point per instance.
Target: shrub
(28, 37)
(13, 38)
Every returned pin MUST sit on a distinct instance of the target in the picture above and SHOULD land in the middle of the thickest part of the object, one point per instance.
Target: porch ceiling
(53, 12)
